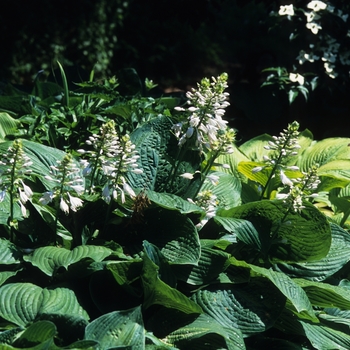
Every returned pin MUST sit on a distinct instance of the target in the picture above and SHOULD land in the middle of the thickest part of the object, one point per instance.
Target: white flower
(79, 189)
(23, 209)
(287, 10)
(75, 202)
(128, 190)
(64, 206)
(314, 27)
(22, 196)
(257, 169)
(214, 179)
(285, 180)
(46, 198)
(316, 5)
(295, 77)
(27, 190)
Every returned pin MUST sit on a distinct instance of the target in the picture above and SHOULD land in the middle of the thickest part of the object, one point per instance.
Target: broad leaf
(22, 303)
(206, 332)
(252, 307)
(118, 328)
(210, 265)
(227, 191)
(156, 292)
(299, 237)
(8, 125)
(9, 253)
(319, 270)
(49, 259)
(254, 148)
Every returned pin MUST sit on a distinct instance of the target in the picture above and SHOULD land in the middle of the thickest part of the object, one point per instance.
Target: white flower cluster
(114, 156)
(67, 176)
(208, 202)
(327, 47)
(14, 168)
(207, 106)
(301, 189)
(283, 147)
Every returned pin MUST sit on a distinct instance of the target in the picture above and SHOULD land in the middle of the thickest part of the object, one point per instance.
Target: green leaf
(325, 295)
(321, 269)
(36, 333)
(21, 303)
(49, 259)
(156, 292)
(323, 152)
(118, 328)
(227, 191)
(300, 237)
(9, 253)
(173, 202)
(254, 148)
(174, 234)
(210, 265)
(158, 151)
(251, 307)
(232, 159)
(206, 332)
(8, 126)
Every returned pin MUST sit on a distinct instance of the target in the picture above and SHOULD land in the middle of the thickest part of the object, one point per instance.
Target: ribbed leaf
(324, 151)
(5, 275)
(173, 202)
(231, 159)
(291, 290)
(252, 307)
(205, 332)
(227, 191)
(319, 270)
(210, 265)
(158, 150)
(9, 253)
(21, 303)
(299, 237)
(254, 148)
(325, 295)
(49, 259)
(118, 328)
(323, 337)
(156, 292)
(36, 333)
(174, 234)
(8, 125)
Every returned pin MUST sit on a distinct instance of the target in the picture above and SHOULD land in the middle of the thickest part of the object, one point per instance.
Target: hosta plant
(162, 233)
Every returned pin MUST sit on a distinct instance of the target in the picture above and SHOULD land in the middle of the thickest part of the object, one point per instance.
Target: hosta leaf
(5, 275)
(323, 152)
(254, 148)
(49, 259)
(252, 307)
(246, 168)
(156, 292)
(158, 150)
(339, 169)
(21, 303)
(323, 337)
(174, 234)
(8, 125)
(210, 265)
(325, 295)
(291, 290)
(9, 253)
(173, 202)
(319, 270)
(227, 191)
(36, 333)
(118, 328)
(205, 332)
(299, 237)
(232, 159)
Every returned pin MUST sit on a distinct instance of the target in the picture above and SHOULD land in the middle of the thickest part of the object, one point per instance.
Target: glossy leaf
(49, 259)
(118, 328)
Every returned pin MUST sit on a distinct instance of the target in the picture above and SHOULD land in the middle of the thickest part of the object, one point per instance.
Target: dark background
(176, 43)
